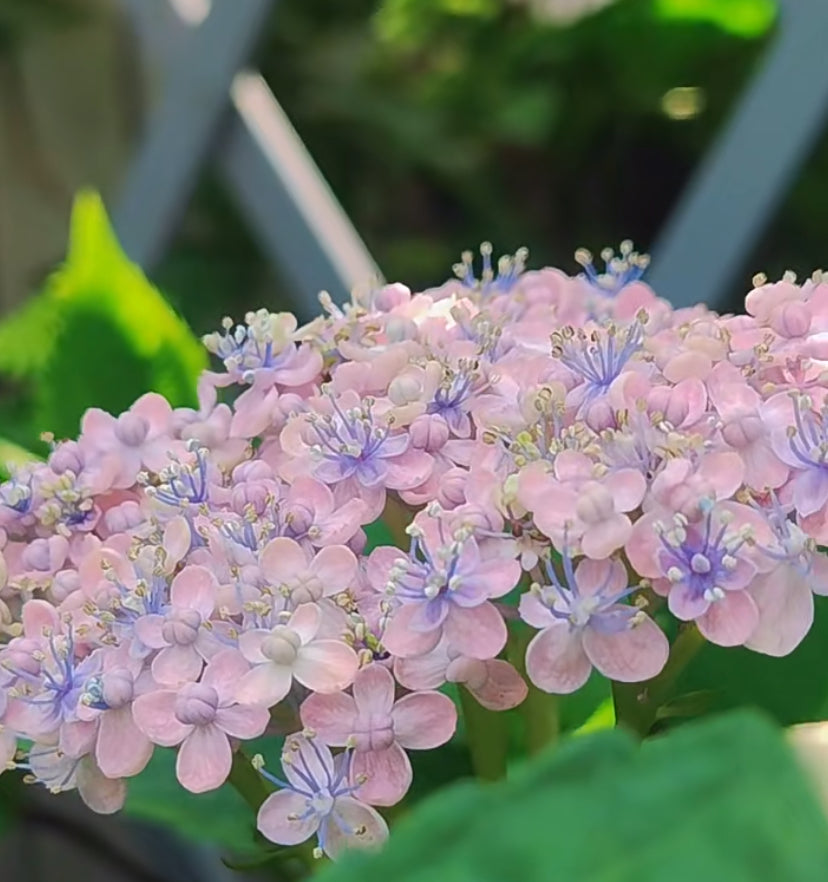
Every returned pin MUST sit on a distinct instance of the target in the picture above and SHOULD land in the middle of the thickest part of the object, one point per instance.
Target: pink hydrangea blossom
(190, 576)
(306, 578)
(380, 730)
(493, 682)
(292, 650)
(444, 586)
(584, 624)
(137, 439)
(316, 800)
(180, 632)
(201, 718)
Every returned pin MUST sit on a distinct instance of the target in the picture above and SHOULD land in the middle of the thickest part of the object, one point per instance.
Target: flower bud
(595, 503)
(118, 687)
(281, 645)
(181, 627)
(429, 432)
(131, 429)
(196, 704)
(67, 457)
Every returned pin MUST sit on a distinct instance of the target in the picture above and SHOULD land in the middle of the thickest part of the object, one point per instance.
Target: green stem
(487, 735)
(540, 710)
(247, 781)
(637, 704)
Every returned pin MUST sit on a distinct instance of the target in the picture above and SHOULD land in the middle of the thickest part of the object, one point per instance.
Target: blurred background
(436, 124)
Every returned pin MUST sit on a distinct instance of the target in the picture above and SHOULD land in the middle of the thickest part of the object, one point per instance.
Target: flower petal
(250, 646)
(154, 714)
(266, 685)
(353, 816)
(204, 759)
(556, 661)
(331, 716)
(387, 774)
(478, 632)
(195, 588)
(423, 720)
(223, 673)
(280, 818)
(122, 749)
(281, 559)
(426, 671)
(176, 665)
(374, 690)
(326, 665)
(336, 567)
(786, 611)
(305, 621)
(148, 629)
(402, 640)
(604, 576)
(600, 540)
(503, 688)
(628, 656)
(730, 621)
(308, 764)
(103, 795)
(242, 721)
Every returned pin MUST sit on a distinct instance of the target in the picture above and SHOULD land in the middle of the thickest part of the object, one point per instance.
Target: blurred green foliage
(220, 817)
(443, 123)
(723, 799)
(746, 18)
(99, 334)
(19, 18)
(791, 689)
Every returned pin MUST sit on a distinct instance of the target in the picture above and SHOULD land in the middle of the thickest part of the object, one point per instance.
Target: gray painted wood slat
(184, 125)
(735, 192)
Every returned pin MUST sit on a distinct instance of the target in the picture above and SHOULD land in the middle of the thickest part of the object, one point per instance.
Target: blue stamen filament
(808, 437)
(183, 484)
(250, 347)
(599, 609)
(620, 269)
(596, 357)
(320, 796)
(348, 438)
(509, 269)
(701, 560)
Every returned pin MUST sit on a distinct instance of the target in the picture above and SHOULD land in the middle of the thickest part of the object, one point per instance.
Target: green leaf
(793, 689)
(743, 18)
(12, 454)
(378, 533)
(602, 718)
(99, 334)
(27, 337)
(220, 817)
(724, 800)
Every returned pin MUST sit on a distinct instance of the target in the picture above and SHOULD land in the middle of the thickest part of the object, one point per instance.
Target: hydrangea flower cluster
(565, 450)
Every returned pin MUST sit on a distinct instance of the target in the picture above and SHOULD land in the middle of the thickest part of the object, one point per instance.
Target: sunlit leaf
(99, 334)
(743, 18)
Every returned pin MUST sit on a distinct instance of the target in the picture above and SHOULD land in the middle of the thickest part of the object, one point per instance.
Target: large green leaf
(720, 800)
(98, 335)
